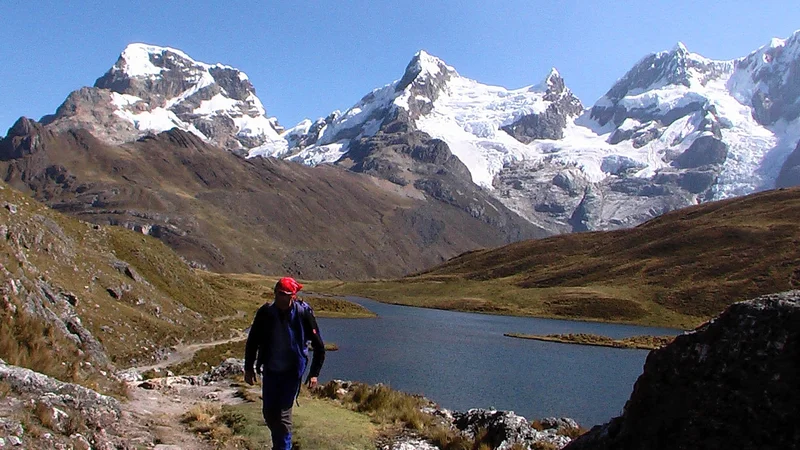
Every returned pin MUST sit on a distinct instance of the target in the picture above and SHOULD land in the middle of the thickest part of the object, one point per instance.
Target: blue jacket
(302, 329)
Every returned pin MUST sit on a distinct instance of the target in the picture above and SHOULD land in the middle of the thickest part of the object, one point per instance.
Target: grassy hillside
(76, 297)
(259, 215)
(677, 270)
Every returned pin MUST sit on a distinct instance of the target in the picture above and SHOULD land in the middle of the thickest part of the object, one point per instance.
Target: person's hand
(312, 382)
(250, 377)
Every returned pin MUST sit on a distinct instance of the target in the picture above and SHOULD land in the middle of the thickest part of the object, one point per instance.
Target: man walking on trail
(277, 346)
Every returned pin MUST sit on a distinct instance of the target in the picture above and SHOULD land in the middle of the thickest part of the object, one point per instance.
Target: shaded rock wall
(732, 383)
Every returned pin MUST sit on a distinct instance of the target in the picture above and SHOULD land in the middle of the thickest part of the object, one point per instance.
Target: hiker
(279, 337)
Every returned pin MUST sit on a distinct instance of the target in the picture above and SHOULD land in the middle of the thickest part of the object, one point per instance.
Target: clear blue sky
(306, 59)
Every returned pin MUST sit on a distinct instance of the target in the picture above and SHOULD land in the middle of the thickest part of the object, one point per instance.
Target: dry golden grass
(639, 342)
(217, 424)
(677, 270)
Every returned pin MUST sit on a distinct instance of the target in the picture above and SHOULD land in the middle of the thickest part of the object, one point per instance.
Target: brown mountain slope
(677, 270)
(259, 215)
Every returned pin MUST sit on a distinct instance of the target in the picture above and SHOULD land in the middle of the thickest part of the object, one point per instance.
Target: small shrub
(218, 425)
(328, 390)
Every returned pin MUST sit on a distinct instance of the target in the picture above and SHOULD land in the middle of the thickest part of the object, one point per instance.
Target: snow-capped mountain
(151, 89)
(484, 126)
(675, 130)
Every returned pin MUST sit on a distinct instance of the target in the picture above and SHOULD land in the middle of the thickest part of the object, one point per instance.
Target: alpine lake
(462, 361)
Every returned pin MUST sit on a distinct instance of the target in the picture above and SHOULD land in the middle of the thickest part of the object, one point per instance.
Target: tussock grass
(382, 404)
(217, 424)
(31, 342)
(395, 410)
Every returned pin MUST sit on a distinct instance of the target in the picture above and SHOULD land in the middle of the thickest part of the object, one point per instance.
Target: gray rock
(99, 410)
(130, 375)
(619, 165)
(549, 124)
(227, 369)
(704, 151)
(504, 429)
(732, 383)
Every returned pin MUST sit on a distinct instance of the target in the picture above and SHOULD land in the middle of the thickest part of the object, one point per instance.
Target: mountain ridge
(671, 133)
(258, 215)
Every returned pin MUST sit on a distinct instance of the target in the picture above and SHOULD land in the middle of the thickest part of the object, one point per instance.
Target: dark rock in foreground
(732, 383)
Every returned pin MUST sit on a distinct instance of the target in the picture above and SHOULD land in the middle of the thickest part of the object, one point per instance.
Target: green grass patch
(318, 424)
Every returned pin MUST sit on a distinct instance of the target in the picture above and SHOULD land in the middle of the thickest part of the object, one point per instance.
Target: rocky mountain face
(732, 383)
(676, 130)
(260, 215)
(153, 89)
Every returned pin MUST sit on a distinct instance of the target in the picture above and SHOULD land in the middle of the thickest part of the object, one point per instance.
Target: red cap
(288, 285)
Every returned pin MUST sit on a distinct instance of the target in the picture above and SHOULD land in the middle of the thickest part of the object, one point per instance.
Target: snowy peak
(655, 81)
(425, 78)
(769, 80)
(675, 67)
(151, 89)
(142, 60)
(553, 85)
(424, 68)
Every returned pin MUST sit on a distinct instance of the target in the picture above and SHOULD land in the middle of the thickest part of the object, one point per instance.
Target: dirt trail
(186, 352)
(155, 414)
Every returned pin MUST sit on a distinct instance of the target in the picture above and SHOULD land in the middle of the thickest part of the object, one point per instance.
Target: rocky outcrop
(503, 429)
(73, 414)
(731, 383)
(24, 138)
(92, 109)
(549, 124)
(704, 151)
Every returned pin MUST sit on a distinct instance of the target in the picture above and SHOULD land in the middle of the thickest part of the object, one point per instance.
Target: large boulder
(732, 383)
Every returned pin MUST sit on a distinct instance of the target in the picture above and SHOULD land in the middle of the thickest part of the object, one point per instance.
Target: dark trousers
(279, 391)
